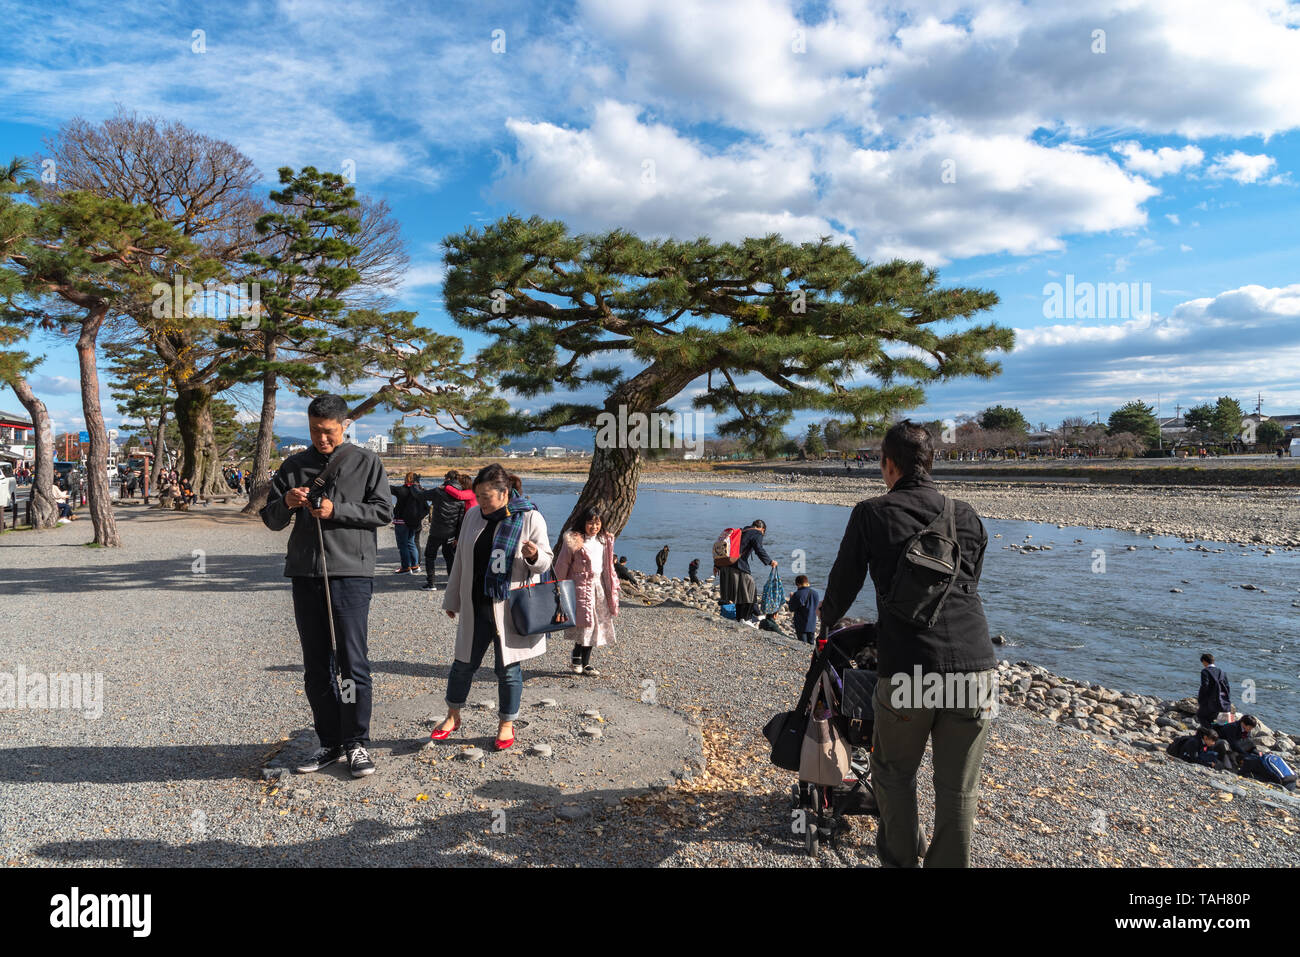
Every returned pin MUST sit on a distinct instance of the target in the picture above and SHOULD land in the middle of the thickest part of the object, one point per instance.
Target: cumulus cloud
(938, 195)
(1240, 167)
(1161, 162)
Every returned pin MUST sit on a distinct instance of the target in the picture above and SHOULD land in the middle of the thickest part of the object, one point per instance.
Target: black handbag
(543, 607)
(856, 707)
(786, 732)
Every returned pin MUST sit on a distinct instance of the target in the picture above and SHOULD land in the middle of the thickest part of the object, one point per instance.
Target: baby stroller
(847, 657)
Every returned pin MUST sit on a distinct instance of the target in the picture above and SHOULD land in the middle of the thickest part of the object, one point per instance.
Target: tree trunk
(260, 488)
(616, 466)
(101, 506)
(155, 467)
(45, 513)
(611, 487)
(199, 459)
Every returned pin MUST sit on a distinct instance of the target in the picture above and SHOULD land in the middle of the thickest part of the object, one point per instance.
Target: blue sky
(1009, 145)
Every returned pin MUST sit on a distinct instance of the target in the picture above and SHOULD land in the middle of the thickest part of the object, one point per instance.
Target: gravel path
(202, 688)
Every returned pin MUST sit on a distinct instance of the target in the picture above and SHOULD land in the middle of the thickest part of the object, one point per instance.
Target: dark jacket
(412, 505)
(1213, 695)
(1238, 738)
(803, 604)
(362, 503)
(1193, 750)
(877, 530)
(446, 515)
(751, 542)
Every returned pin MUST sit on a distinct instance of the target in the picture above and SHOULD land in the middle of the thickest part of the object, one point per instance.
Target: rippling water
(1122, 628)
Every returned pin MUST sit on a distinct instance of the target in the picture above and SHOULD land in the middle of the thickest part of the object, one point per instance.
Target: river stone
(546, 703)
(592, 732)
(540, 750)
(573, 813)
(484, 705)
(591, 713)
(470, 754)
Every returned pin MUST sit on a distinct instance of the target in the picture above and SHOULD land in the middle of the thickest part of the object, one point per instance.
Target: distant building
(378, 444)
(553, 452)
(17, 436)
(295, 448)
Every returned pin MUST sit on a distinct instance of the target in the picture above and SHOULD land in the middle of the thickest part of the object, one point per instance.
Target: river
(1121, 627)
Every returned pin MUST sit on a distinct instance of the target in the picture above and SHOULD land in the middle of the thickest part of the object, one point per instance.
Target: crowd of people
(494, 541)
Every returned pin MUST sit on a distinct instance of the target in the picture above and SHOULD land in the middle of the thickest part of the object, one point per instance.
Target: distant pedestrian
(447, 506)
(736, 582)
(1214, 696)
(805, 604)
(587, 559)
(694, 570)
(408, 516)
(661, 559)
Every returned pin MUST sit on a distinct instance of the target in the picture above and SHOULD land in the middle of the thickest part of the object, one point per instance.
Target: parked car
(8, 489)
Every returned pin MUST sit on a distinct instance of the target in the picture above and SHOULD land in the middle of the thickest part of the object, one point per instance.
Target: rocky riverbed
(1144, 722)
(1258, 515)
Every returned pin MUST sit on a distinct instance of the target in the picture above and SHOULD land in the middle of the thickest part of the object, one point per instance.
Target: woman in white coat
(503, 524)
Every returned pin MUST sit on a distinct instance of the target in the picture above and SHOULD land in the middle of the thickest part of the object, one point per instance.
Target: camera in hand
(315, 495)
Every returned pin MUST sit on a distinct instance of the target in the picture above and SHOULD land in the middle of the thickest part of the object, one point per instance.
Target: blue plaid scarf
(506, 542)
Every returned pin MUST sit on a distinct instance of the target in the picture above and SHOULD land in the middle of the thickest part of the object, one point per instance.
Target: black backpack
(926, 572)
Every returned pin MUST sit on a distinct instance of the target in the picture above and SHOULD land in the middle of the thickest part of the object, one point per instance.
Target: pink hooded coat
(574, 562)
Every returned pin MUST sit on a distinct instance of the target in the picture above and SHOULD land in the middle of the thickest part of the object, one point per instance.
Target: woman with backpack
(587, 558)
(447, 507)
(503, 524)
(408, 516)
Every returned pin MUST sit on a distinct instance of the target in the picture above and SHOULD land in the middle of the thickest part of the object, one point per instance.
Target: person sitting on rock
(768, 623)
(1236, 734)
(621, 569)
(694, 571)
(1198, 748)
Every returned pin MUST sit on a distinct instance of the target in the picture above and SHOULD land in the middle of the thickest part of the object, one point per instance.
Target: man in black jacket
(937, 683)
(352, 505)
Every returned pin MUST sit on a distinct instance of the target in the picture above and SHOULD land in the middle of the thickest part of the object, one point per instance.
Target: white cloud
(1240, 167)
(1162, 162)
(1172, 217)
(938, 195)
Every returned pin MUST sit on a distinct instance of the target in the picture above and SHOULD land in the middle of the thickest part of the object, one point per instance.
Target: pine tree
(644, 320)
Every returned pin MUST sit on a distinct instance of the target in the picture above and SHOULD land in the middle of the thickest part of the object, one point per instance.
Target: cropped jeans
(510, 678)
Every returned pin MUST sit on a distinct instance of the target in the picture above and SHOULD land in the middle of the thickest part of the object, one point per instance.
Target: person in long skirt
(587, 559)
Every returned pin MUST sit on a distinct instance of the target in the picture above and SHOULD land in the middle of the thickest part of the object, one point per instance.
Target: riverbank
(1256, 515)
(190, 623)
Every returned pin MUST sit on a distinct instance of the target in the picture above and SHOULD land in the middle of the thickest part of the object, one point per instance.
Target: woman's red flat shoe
(503, 743)
(440, 735)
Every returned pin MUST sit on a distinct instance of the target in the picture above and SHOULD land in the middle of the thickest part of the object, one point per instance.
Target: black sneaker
(359, 762)
(322, 758)
(428, 586)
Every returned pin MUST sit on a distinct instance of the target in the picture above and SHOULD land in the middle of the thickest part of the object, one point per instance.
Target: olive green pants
(957, 737)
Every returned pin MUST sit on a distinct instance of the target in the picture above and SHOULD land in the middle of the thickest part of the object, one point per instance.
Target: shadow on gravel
(222, 573)
(601, 833)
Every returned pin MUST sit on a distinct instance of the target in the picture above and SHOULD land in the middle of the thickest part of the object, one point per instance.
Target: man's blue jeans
(510, 678)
